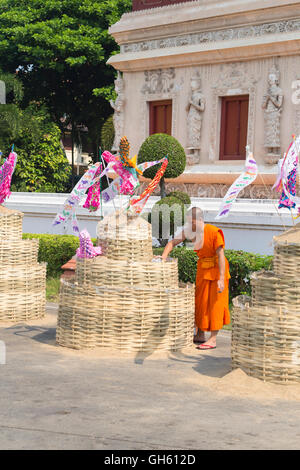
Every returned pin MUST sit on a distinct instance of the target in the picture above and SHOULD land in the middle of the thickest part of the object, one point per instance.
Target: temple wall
(249, 77)
(234, 47)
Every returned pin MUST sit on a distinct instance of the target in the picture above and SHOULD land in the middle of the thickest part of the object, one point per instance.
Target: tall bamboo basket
(11, 222)
(266, 327)
(125, 300)
(22, 278)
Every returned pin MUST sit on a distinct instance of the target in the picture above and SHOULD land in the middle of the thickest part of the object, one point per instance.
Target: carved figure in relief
(195, 108)
(272, 105)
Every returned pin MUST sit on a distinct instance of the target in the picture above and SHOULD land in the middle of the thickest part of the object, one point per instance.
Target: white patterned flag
(246, 178)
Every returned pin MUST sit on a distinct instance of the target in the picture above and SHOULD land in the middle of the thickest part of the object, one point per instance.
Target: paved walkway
(54, 398)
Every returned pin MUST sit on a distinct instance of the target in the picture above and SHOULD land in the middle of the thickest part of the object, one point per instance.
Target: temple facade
(217, 75)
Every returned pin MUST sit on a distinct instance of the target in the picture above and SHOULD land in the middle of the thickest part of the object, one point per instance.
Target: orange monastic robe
(211, 307)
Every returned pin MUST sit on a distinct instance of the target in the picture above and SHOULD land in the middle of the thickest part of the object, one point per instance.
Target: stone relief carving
(159, 81)
(217, 190)
(296, 104)
(233, 79)
(272, 105)
(2, 92)
(195, 108)
(159, 85)
(213, 36)
(118, 107)
(297, 122)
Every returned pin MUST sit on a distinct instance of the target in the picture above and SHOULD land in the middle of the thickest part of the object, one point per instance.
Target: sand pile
(238, 383)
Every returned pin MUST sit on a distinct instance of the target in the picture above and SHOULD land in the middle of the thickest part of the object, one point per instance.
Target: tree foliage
(42, 165)
(107, 134)
(60, 48)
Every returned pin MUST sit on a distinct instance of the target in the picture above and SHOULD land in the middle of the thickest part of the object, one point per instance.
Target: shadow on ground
(215, 364)
(43, 334)
(205, 364)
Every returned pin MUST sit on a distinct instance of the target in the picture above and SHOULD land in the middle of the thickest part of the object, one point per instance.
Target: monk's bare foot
(205, 347)
(211, 343)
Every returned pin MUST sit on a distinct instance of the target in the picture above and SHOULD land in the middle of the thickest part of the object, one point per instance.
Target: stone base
(192, 160)
(192, 156)
(272, 158)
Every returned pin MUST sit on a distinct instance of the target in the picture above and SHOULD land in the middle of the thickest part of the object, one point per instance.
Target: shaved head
(195, 213)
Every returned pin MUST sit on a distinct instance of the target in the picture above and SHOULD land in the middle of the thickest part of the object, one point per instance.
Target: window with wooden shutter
(160, 117)
(234, 125)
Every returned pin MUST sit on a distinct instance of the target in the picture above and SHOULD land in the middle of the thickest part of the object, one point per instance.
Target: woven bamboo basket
(22, 279)
(122, 273)
(10, 224)
(23, 292)
(266, 343)
(122, 236)
(22, 306)
(268, 289)
(18, 252)
(123, 300)
(286, 260)
(125, 319)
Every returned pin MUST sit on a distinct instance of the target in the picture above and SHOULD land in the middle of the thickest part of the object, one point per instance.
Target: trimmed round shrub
(107, 134)
(184, 197)
(157, 146)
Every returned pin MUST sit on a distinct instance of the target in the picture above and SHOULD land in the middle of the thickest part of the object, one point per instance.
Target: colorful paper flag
(6, 172)
(244, 180)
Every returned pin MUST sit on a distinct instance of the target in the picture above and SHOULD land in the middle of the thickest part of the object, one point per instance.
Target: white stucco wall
(250, 225)
(217, 79)
(232, 45)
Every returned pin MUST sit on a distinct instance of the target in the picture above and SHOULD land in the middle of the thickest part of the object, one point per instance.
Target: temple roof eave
(189, 17)
(282, 44)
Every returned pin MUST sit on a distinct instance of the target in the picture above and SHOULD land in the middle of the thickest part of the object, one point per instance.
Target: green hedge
(182, 196)
(241, 264)
(56, 250)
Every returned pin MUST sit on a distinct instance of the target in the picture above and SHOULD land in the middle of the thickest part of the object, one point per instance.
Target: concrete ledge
(209, 53)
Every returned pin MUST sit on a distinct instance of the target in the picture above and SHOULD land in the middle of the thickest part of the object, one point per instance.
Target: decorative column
(272, 105)
(195, 108)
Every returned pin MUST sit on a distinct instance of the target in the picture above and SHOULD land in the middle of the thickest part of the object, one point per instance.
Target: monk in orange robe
(212, 280)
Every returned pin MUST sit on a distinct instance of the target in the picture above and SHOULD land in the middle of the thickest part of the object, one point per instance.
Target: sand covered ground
(54, 397)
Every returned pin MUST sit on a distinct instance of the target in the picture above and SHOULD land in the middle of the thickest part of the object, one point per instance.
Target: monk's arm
(170, 245)
(221, 259)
